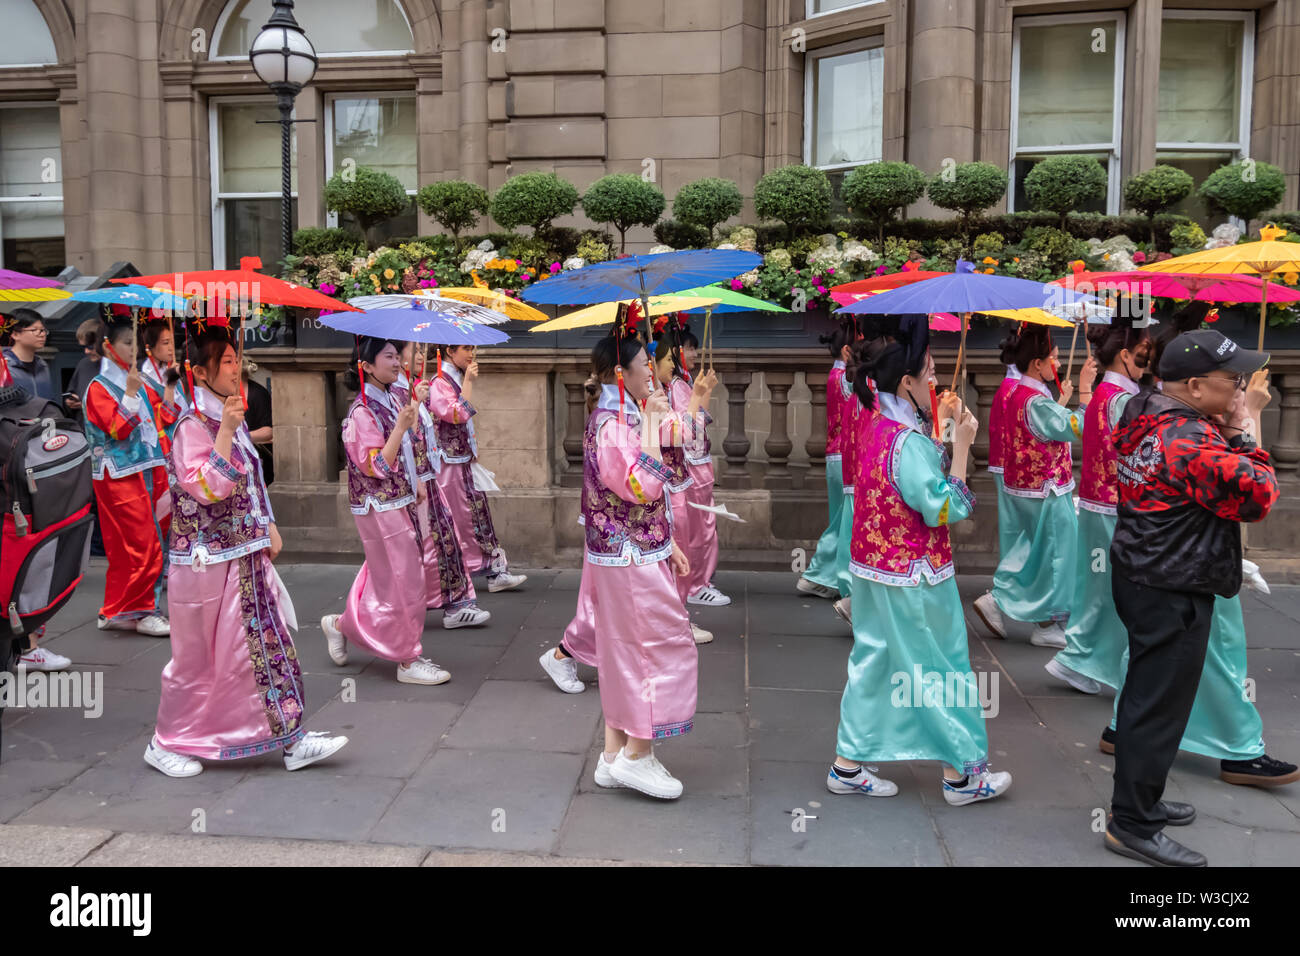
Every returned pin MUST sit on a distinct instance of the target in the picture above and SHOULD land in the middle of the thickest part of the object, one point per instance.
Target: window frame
(811, 59)
(222, 21)
(7, 200)
(53, 47)
(810, 14)
(1241, 148)
(1114, 148)
(214, 172)
(332, 218)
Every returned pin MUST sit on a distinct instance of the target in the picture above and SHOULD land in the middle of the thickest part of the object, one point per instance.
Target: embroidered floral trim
(206, 488)
(371, 503)
(262, 747)
(699, 460)
(835, 456)
(963, 491)
(100, 465)
(664, 731)
(225, 467)
(217, 557)
(996, 470)
(657, 468)
(918, 568)
(1049, 487)
(1097, 507)
(462, 407)
(379, 464)
(637, 489)
(629, 555)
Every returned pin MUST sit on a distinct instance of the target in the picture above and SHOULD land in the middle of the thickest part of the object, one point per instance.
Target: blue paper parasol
(135, 296)
(443, 326)
(642, 276)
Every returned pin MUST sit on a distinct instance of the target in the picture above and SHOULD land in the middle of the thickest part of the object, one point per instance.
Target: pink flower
(555, 267)
(830, 272)
(526, 277)
(736, 285)
(881, 270)
(328, 288)
(821, 289)
(1139, 256)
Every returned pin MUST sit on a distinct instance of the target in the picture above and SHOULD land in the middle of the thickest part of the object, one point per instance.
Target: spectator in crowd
(89, 335)
(24, 338)
(258, 419)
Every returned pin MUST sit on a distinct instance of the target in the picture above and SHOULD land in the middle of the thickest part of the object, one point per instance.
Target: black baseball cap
(1202, 351)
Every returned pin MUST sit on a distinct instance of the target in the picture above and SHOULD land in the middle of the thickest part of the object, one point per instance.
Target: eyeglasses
(1238, 381)
(40, 331)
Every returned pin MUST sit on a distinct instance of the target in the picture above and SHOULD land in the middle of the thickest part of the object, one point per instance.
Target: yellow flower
(388, 273)
(1106, 257)
(1291, 278)
(511, 265)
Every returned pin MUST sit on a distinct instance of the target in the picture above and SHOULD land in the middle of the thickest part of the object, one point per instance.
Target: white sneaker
(804, 586)
(422, 671)
(986, 609)
(1080, 682)
(708, 596)
(700, 634)
(170, 762)
(42, 660)
(865, 782)
(1051, 636)
(645, 775)
(118, 623)
(844, 608)
(312, 747)
(604, 777)
(506, 582)
(334, 639)
(979, 786)
(564, 672)
(471, 615)
(155, 625)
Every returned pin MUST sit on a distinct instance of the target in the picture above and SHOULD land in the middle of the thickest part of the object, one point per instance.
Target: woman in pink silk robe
(233, 687)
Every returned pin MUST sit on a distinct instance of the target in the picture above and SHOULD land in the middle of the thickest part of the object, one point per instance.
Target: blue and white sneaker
(865, 783)
(979, 786)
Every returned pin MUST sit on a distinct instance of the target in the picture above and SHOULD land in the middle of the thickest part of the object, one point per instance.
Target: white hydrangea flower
(660, 249)
(855, 251)
(1224, 235)
(779, 258)
(749, 279)
(573, 262)
(485, 246)
(825, 257)
(726, 245)
(744, 237)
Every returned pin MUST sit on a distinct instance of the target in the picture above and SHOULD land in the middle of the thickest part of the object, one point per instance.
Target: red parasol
(244, 285)
(891, 281)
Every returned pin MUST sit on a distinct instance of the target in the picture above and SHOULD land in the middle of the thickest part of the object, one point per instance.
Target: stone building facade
(147, 109)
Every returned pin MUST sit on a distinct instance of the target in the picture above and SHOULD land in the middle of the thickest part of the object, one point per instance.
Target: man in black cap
(1190, 471)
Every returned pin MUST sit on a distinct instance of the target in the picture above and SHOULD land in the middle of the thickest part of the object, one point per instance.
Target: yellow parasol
(491, 299)
(1265, 258)
(33, 295)
(603, 314)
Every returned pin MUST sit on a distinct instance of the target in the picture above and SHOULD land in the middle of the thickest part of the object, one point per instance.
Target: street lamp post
(285, 60)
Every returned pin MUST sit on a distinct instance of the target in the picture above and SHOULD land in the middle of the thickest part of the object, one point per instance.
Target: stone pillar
(985, 386)
(1286, 448)
(309, 105)
(778, 444)
(815, 446)
(736, 444)
(941, 112)
(576, 399)
(1275, 119)
(304, 435)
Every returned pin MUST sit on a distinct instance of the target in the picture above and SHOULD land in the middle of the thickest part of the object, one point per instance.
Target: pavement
(495, 767)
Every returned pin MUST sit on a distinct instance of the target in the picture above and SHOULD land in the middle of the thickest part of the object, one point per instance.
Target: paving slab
(526, 715)
(631, 826)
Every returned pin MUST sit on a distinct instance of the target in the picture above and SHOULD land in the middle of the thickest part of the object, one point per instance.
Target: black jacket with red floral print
(1183, 492)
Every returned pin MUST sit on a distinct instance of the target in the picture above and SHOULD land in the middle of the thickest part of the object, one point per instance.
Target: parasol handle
(1263, 308)
(708, 340)
(960, 370)
(1069, 368)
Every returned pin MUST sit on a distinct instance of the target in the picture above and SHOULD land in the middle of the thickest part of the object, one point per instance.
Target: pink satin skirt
(233, 687)
(446, 581)
(580, 636)
(700, 541)
(470, 515)
(387, 604)
(646, 661)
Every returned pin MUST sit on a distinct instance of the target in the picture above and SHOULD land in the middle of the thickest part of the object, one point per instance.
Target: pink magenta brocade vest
(891, 543)
(997, 423)
(834, 412)
(1031, 467)
(1099, 484)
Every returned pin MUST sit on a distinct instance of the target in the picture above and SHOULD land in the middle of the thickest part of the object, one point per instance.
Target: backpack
(45, 496)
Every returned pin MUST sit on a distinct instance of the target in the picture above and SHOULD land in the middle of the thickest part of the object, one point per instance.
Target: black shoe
(1159, 850)
(1107, 745)
(1177, 814)
(1263, 771)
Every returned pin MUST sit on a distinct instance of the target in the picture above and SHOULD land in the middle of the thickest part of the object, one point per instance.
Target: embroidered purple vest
(674, 456)
(891, 542)
(214, 531)
(378, 494)
(618, 531)
(419, 444)
(453, 440)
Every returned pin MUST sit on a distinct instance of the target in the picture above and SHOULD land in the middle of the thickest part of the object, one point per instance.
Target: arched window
(335, 27)
(25, 39)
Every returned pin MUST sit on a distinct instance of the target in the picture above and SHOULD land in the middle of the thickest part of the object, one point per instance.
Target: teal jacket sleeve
(1052, 422)
(940, 499)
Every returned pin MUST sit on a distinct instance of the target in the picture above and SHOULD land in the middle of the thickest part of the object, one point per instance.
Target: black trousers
(1167, 635)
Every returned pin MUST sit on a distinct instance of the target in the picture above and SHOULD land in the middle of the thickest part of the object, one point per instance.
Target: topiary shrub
(798, 196)
(1186, 237)
(682, 235)
(624, 200)
(878, 192)
(533, 199)
(707, 203)
(1244, 189)
(454, 204)
(1155, 190)
(1061, 183)
(1056, 246)
(369, 195)
(968, 189)
(988, 244)
(321, 241)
